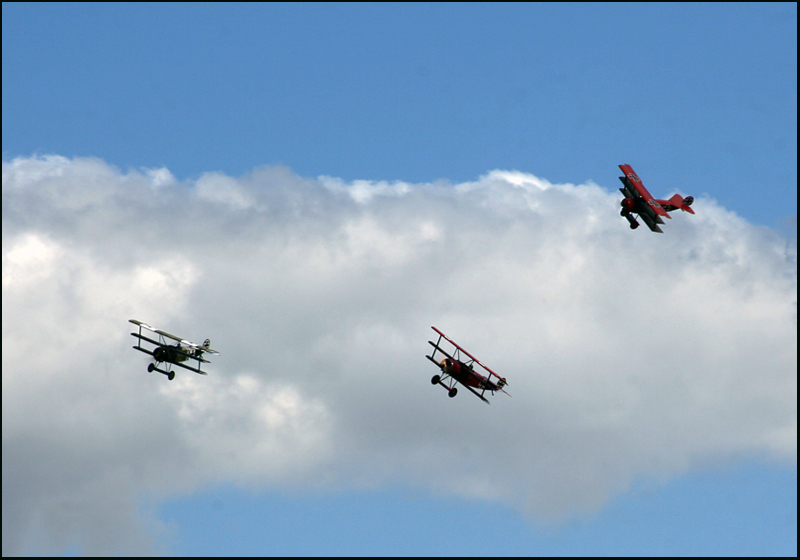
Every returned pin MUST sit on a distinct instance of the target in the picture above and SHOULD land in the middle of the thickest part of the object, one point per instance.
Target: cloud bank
(628, 354)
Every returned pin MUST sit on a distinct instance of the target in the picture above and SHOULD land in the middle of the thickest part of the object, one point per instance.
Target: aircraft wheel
(151, 367)
(171, 375)
(452, 392)
(435, 380)
(634, 225)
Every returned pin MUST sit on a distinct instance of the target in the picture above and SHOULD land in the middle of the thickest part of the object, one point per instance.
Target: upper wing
(172, 336)
(158, 331)
(473, 358)
(145, 325)
(142, 337)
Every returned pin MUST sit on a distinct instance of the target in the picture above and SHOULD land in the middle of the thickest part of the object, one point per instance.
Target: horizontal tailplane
(678, 202)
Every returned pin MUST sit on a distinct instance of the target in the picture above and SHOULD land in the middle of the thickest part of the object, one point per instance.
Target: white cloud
(217, 187)
(628, 354)
(364, 191)
(160, 177)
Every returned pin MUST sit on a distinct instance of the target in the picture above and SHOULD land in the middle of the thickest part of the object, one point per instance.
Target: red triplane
(638, 201)
(455, 369)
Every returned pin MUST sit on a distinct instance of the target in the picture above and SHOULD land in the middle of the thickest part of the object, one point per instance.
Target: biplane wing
(648, 208)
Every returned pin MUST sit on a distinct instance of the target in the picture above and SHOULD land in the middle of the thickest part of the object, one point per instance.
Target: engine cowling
(450, 367)
(628, 204)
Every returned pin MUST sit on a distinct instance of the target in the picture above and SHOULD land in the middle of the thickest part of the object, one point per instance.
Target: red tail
(678, 202)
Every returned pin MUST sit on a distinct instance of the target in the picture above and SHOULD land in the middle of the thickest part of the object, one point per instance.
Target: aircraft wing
(190, 368)
(473, 358)
(437, 348)
(141, 324)
(143, 337)
(146, 351)
(652, 211)
(172, 336)
(158, 331)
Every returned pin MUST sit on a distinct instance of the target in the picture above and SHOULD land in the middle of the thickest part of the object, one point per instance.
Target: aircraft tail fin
(677, 201)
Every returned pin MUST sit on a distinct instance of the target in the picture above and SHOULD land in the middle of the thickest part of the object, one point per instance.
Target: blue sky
(695, 94)
(410, 98)
(696, 515)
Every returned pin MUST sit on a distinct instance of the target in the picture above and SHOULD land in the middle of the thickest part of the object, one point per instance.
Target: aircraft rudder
(684, 204)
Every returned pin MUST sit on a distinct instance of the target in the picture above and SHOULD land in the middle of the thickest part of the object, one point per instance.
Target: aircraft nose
(627, 204)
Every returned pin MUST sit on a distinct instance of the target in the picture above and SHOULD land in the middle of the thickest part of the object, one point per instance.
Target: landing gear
(153, 367)
(437, 380)
(631, 219)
